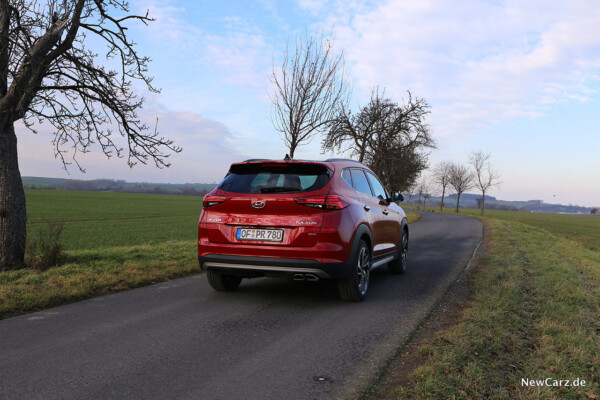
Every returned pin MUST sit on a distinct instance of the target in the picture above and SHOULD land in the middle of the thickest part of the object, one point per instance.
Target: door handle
(366, 207)
(385, 212)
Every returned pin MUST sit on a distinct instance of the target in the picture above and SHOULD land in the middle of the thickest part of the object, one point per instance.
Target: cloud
(169, 26)
(238, 54)
(477, 63)
(243, 58)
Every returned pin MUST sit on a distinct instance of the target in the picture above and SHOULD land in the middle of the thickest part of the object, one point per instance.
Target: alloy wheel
(364, 270)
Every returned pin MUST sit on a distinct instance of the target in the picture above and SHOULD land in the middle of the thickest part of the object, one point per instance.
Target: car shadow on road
(288, 291)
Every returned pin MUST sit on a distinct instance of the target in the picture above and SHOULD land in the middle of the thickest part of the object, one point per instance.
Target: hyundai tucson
(304, 220)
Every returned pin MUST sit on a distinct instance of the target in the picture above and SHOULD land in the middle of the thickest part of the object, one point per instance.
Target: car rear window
(275, 178)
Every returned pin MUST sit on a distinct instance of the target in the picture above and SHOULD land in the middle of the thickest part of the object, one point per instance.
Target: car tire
(355, 288)
(223, 282)
(398, 266)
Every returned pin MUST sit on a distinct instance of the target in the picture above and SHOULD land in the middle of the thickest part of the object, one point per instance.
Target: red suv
(305, 220)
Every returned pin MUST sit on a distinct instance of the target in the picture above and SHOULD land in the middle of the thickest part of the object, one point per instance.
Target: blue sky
(519, 79)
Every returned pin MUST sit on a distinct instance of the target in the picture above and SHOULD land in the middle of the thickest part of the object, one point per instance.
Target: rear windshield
(283, 178)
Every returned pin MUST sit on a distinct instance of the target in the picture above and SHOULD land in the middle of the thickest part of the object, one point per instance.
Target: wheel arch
(362, 232)
(404, 228)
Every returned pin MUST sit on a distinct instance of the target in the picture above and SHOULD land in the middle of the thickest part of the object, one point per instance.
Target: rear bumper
(248, 266)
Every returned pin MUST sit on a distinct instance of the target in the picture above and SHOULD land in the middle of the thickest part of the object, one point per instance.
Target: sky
(518, 79)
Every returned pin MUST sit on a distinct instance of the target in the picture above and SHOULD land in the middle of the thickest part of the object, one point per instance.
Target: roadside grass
(111, 241)
(533, 314)
(412, 217)
(93, 272)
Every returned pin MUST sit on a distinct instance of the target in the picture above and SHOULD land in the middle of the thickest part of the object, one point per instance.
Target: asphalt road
(272, 339)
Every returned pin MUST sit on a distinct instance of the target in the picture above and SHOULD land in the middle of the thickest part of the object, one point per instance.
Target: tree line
(449, 175)
(121, 186)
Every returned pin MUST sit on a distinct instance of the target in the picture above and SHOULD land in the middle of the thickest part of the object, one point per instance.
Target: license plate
(267, 235)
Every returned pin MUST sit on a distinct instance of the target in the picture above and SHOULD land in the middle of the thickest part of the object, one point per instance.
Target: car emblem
(258, 204)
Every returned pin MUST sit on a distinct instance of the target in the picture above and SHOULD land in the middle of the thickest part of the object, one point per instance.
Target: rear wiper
(279, 189)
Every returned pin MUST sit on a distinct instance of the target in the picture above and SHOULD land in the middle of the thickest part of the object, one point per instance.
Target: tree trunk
(482, 202)
(457, 201)
(13, 215)
(442, 205)
(361, 155)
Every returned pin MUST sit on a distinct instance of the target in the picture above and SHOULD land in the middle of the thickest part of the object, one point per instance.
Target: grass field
(113, 242)
(95, 220)
(581, 229)
(534, 313)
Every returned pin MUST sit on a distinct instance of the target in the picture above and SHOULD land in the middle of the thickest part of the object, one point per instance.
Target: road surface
(272, 339)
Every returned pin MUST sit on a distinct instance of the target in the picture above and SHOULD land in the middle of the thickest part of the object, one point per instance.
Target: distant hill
(111, 185)
(470, 197)
(469, 200)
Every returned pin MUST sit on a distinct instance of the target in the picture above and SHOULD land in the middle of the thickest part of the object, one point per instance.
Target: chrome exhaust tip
(298, 277)
(311, 277)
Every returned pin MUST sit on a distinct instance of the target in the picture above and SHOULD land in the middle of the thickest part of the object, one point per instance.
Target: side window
(360, 182)
(346, 176)
(378, 188)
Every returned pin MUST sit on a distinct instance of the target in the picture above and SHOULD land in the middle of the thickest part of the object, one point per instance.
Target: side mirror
(396, 196)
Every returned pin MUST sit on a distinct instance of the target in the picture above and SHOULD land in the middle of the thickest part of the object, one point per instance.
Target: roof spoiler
(344, 159)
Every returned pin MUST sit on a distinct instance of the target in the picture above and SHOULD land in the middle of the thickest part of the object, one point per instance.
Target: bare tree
(48, 75)
(424, 190)
(410, 190)
(441, 176)
(398, 166)
(485, 177)
(461, 179)
(309, 90)
(419, 195)
(391, 139)
(594, 211)
(359, 128)
(426, 196)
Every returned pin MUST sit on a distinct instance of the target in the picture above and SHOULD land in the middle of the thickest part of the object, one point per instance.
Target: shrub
(45, 250)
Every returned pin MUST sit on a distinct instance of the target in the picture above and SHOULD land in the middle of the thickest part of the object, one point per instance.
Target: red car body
(312, 232)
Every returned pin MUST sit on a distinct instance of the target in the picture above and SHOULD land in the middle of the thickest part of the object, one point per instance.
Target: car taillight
(323, 202)
(335, 203)
(212, 200)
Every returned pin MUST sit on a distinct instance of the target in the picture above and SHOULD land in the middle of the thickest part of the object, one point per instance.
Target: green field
(581, 229)
(534, 313)
(95, 220)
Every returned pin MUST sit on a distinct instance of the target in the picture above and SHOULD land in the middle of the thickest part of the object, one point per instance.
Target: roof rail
(256, 159)
(344, 159)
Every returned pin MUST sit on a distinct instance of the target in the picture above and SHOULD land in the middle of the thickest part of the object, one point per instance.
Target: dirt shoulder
(445, 315)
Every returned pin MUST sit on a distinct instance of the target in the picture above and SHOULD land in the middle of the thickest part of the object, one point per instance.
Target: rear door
(372, 207)
(262, 204)
(391, 217)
